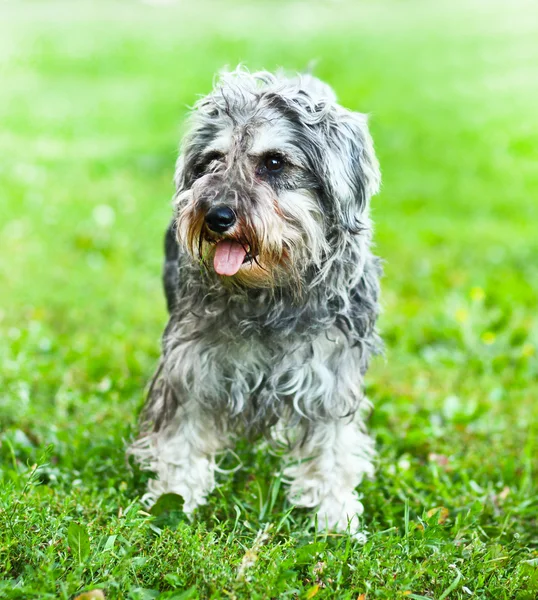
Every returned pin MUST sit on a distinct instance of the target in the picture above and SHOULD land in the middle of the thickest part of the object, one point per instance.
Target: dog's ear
(351, 169)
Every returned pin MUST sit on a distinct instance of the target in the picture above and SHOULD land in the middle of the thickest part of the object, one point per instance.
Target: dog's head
(271, 172)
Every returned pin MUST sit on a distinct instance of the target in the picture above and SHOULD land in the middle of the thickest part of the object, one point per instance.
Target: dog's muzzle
(229, 254)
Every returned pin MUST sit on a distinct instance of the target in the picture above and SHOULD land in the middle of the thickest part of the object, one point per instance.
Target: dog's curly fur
(279, 347)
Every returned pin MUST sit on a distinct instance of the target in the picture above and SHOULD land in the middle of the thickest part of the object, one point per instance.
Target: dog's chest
(250, 372)
(212, 367)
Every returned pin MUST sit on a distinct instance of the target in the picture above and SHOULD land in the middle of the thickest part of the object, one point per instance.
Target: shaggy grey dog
(273, 295)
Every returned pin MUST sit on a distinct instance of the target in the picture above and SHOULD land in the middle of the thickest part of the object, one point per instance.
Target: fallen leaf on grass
(91, 595)
(442, 516)
(312, 591)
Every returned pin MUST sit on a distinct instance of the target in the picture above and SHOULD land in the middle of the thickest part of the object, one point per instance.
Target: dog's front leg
(182, 455)
(327, 468)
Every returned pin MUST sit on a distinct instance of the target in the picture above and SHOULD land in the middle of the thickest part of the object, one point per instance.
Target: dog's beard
(275, 240)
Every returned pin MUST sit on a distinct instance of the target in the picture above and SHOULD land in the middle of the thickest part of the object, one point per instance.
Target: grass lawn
(92, 96)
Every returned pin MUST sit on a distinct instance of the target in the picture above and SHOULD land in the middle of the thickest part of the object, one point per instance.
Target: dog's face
(271, 170)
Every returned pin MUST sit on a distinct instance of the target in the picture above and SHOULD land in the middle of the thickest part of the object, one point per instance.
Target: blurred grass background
(92, 97)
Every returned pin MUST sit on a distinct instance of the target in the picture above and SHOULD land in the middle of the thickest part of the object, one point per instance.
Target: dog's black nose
(220, 218)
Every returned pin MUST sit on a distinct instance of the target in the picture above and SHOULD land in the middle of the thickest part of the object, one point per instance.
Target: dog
(272, 292)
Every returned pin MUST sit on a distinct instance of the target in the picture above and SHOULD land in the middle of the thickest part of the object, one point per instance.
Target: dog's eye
(273, 163)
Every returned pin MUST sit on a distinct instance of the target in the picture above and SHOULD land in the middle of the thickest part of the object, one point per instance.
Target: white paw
(342, 515)
(192, 481)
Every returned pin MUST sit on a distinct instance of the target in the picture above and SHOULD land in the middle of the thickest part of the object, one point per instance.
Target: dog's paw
(342, 515)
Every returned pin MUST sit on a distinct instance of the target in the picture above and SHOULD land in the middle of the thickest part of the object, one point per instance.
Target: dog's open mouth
(230, 256)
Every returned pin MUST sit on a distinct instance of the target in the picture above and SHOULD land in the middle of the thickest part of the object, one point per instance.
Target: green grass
(91, 101)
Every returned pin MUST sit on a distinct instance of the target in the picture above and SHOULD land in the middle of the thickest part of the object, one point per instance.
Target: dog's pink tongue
(229, 257)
